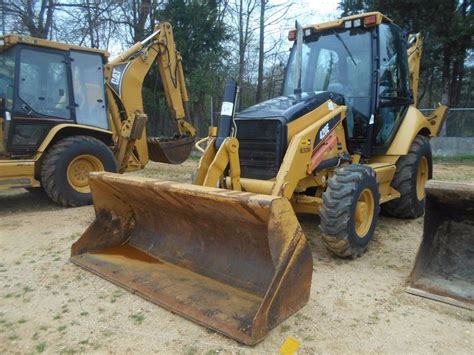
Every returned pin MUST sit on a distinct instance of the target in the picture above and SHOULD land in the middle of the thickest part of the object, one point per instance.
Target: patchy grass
(214, 351)
(457, 159)
(115, 295)
(191, 351)
(13, 337)
(27, 289)
(138, 318)
(41, 347)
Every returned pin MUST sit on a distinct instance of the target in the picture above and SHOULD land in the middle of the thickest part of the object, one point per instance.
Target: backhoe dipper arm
(124, 83)
(414, 51)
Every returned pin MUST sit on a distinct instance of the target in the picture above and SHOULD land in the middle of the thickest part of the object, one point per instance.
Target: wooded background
(244, 40)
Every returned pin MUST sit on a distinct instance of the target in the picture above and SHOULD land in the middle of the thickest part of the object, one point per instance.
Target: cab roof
(10, 40)
(379, 18)
(367, 19)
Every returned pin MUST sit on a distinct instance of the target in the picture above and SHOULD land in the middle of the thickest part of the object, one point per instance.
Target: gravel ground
(49, 305)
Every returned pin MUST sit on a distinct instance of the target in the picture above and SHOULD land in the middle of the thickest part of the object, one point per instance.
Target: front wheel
(350, 210)
(66, 167)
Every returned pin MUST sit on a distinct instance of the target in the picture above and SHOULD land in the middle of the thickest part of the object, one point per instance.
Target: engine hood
(287, 108)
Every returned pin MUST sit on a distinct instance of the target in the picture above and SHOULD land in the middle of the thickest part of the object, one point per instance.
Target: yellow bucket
(235, 262)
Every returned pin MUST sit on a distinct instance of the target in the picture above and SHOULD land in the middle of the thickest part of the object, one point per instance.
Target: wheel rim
(79, 169)
(364, 213)
(421, 178)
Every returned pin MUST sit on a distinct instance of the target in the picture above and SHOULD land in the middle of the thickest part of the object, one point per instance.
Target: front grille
(262, 145)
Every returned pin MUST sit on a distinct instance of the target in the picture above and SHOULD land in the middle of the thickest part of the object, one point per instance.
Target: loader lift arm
(124, 83)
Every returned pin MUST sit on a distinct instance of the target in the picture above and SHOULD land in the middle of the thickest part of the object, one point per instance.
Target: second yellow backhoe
(66, 111)
(343, 141)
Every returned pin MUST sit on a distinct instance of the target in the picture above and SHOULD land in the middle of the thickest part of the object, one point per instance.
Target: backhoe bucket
(444, 266)
(170, 150)
(235, 262)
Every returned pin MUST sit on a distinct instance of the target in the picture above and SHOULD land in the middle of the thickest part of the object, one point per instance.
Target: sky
(315, 10)
(305, 11)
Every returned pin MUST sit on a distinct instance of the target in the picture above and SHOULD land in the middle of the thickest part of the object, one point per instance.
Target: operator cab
(345, 60)
(43, 84)
(359, 61)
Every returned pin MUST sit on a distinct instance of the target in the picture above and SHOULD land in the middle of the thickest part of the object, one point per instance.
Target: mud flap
(170, 150)
(235, 262)
(444, 265)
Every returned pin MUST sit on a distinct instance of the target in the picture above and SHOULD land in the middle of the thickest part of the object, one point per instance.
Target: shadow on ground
(21, 200)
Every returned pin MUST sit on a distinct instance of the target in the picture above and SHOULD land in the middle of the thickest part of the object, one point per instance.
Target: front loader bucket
(444, 266)
(170, 150)
(232, 261)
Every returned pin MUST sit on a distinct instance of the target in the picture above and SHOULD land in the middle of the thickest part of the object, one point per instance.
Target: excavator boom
(125, 75)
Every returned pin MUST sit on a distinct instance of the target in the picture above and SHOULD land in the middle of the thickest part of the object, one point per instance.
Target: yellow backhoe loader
(65, 111)
(344, 140)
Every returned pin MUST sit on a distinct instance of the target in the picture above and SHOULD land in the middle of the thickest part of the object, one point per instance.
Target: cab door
(393, 91)
(42, 97)
(89, 89)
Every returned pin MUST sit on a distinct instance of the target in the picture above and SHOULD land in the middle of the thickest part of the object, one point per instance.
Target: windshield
(340, 62)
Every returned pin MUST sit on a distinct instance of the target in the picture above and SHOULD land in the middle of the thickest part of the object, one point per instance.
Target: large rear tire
(413, 170)
(66, 167)
(350, 210)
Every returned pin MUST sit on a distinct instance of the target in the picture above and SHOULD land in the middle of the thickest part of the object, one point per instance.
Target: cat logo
(324, 131)
(116, 76)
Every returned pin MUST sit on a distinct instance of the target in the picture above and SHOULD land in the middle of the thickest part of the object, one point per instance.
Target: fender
(413, 124)
(94, 131)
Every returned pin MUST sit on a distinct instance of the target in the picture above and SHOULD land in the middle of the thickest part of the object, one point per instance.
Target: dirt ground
(49, 305)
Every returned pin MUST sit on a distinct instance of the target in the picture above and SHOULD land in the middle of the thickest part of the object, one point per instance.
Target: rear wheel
(413, 171)
(350, 210)
(66, 167)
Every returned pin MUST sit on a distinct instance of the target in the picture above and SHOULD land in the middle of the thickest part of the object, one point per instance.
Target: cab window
(394, 90)
(89, 89)
(7, 78)
(340, 62)
(42, 84)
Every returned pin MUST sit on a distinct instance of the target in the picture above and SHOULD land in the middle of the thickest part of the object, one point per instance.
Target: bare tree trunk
(42, 28)
(446, 75)
(139, 27)
(241, 43)
(261, 51)
(89, 23)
